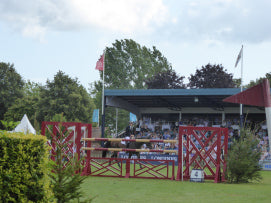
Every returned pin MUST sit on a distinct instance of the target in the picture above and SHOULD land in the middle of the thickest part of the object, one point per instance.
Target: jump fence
(198, 148)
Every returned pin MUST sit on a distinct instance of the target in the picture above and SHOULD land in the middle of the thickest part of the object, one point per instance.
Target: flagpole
(241, 105)
(103, 116)
(103, 87)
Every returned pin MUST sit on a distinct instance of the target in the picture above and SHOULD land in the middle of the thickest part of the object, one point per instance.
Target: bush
(24, 168)
(243, 158)
(66, 170)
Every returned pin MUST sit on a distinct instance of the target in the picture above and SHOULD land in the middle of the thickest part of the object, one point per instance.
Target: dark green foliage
(26, 104)
(64, 95)
(24, 168)
(11, 87)
(211, 76)
(65, 175)
(237, 82)
(166, 80)
(9, 125)
(243, 158)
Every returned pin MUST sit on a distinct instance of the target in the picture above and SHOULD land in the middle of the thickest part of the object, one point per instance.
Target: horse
(112, 144)
(130, 145)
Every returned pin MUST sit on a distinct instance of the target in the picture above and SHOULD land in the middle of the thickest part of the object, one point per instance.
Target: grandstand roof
(173, 98)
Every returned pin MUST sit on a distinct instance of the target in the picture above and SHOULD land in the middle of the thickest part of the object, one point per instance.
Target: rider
(130, 130)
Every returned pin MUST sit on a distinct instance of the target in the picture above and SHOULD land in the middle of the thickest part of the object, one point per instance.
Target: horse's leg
(138, 156)
(115, 155)
(104, 154)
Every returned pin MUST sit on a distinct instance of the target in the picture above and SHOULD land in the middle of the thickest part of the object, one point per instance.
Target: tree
(243, 158)
(237, 82)
(258, 81)
(165, 80)
(66, 171)
(11, 87)
(28, 104)
(127, 66)
(211, 76)
(65, 95)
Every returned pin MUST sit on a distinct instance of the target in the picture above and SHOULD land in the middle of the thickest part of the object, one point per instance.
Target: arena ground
(142, 190)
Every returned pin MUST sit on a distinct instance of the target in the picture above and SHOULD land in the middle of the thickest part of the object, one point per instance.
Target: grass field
(146, 190)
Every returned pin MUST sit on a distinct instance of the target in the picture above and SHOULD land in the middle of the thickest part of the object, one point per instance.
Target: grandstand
(163, 109)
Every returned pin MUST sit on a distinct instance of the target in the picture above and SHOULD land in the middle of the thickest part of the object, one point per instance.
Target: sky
(41, 37)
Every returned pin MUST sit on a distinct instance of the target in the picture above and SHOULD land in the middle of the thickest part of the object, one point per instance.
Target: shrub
(65, 171)
(24, 168)
(243, 158)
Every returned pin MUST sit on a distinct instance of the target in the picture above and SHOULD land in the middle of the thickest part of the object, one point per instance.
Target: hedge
(24, 168)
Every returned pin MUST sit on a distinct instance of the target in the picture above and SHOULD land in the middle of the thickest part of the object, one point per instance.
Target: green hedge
(24, 168)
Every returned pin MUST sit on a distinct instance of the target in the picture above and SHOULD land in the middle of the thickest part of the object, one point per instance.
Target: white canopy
(25, 126)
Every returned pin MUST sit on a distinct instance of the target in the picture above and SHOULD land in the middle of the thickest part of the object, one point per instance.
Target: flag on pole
(100, 64)
(95, 116)
(239, 57)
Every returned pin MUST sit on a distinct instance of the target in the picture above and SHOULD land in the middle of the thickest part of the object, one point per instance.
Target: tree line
(128, 66)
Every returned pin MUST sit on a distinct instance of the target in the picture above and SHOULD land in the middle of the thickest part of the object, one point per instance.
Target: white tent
(25, 126)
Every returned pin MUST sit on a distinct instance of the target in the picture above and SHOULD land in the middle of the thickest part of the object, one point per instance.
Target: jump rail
(129, 150)
(131, 140)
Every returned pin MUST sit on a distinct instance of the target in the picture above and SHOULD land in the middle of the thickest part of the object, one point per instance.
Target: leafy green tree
(28, 104)
(65, 95)
(11, 87)
(127, 66)
(259, 80)
(166, 80)
(237, 82)
(211, 76)
(243, 158)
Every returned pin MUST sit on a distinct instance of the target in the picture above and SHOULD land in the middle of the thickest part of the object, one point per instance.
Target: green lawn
(146, 190)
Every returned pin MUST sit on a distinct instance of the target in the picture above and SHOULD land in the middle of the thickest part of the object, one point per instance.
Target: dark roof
(175, 98)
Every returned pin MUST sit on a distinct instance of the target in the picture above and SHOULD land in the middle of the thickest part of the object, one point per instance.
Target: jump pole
(131, 140)
(129, 150)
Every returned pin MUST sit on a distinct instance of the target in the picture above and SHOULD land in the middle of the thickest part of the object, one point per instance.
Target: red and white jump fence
(205, 148)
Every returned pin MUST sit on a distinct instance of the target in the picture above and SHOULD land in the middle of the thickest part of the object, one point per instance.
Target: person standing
(130, 130)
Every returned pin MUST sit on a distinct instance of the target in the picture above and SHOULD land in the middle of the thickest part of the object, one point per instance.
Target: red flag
(100, 64)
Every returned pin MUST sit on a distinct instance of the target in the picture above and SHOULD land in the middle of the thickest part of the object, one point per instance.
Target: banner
(95, 116)
(157, 157)
(132, 117)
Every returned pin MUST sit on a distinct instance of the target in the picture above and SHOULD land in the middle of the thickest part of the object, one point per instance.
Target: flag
(132, 117)
(100, 64)
(239, 57)
(95, 116)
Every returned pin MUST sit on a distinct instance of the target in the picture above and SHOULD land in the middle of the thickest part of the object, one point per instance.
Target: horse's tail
(107, 144)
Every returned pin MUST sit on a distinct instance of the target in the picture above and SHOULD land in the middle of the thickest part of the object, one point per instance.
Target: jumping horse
(130, 145)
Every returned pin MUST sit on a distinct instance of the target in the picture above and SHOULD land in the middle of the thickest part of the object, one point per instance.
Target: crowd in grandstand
(165, 130)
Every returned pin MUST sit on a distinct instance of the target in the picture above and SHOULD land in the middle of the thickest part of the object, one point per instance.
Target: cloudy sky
(41, 37)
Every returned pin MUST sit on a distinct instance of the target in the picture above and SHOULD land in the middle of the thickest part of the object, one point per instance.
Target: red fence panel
(71, 133)
(204, 148)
